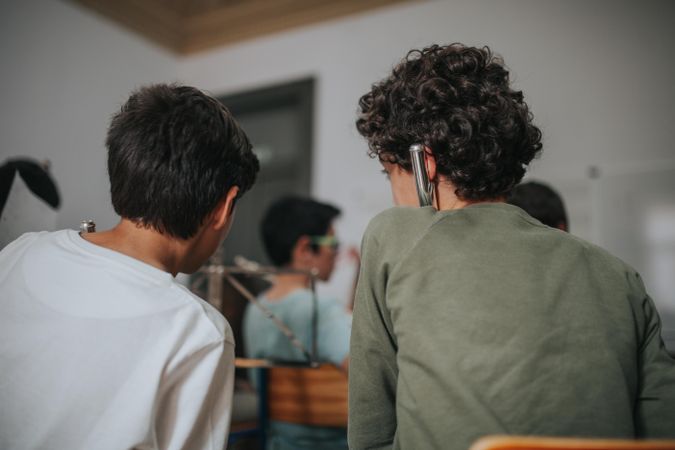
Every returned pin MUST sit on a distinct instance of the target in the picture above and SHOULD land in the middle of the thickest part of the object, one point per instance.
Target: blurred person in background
(541, 202)
(298, 234)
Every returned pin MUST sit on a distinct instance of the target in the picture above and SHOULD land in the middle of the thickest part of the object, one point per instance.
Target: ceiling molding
(189, 26)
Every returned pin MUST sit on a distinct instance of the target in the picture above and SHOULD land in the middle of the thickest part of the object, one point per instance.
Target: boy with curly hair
(471, 317)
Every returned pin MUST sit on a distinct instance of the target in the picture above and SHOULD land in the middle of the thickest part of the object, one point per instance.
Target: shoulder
(295, 304)
(205, 317)
(30, 245)
(398, 219)
(27, 239)
(594, 253)
(607, 268)
(197, 337)
(397, 227)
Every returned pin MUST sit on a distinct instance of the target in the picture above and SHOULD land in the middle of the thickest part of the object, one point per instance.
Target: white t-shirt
(102, 351)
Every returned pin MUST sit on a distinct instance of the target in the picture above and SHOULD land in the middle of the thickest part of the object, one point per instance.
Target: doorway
(278, 121)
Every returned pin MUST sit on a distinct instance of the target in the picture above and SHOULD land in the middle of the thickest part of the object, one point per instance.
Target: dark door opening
(278, 121)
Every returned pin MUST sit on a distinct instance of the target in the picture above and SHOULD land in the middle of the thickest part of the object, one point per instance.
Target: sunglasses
(325, 241)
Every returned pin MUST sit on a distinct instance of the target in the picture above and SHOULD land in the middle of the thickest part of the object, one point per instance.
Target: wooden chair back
(548, 443)
(308, 396)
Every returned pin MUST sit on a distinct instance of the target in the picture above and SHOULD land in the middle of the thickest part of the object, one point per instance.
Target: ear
(225, 208)
(430, 163)
(300, 250)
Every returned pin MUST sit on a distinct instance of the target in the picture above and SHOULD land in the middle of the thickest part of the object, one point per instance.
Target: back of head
(289, 218)
(173, 154)
(541, 202)
(458, 102)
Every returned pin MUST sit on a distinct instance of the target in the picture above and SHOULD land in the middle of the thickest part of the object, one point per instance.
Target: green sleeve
(372, 369)
(655, 405)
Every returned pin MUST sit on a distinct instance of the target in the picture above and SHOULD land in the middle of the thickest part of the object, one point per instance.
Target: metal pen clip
(87, 226)
(424, 186)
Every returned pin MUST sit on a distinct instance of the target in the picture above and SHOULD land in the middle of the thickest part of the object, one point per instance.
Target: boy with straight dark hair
(100, 347)
(298, 234)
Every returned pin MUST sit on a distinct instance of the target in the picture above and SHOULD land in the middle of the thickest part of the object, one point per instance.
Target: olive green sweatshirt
(483, 321)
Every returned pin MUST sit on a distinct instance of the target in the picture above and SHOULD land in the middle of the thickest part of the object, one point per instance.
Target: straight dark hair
(290, 218)
(173, 154)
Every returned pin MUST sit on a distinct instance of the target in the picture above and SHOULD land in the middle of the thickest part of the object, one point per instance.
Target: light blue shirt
(262, 338)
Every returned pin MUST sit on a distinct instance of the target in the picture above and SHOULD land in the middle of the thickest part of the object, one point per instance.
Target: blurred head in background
(541, 202)
(298, 234)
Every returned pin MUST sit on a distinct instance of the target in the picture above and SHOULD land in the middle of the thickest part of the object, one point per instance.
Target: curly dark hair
(173, 154)
(457, 101)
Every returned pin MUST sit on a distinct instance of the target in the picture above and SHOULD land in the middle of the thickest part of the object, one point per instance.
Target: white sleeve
(195, 403)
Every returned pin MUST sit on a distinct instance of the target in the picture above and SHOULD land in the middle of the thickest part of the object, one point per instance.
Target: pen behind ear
(424, 186)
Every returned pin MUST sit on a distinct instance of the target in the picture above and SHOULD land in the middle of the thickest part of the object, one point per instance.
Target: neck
(144, 244)
(445, 198)
(286, 283)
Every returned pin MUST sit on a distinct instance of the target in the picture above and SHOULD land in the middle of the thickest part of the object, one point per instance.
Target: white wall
(597, 74)
(63, 73)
